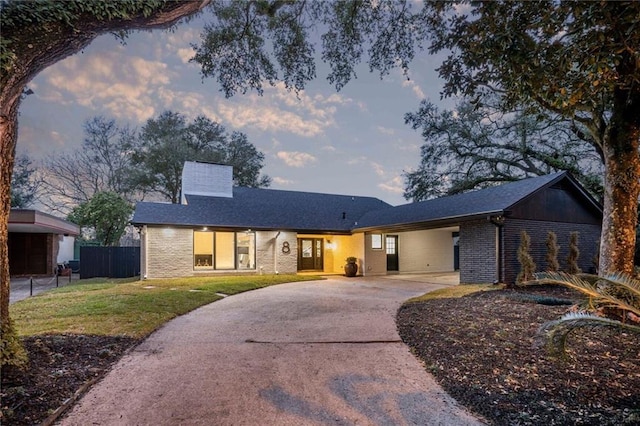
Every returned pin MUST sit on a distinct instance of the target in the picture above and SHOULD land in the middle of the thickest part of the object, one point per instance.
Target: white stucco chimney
(213, 180)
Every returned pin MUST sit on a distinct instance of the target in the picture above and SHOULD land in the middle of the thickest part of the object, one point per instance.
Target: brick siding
(478, 252)
(588, 243)
(170, 252)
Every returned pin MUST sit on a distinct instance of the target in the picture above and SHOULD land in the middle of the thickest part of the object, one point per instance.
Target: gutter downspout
(498, 221)
(275, 253)
(146, 252)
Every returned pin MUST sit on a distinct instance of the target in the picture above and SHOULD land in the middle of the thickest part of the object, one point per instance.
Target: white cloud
(121, 84)
(386, 130)
(378, 168)
(417, 90)
(296, 159)
(393, 186)
(269, 118)
(357, 160)
(280, 110)
(185, 54)
(282, 181)
(179, 43)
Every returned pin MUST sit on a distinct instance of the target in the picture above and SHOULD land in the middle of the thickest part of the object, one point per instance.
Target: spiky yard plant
(574, 254)
(527, 265)
(552, 252)
(613, 302)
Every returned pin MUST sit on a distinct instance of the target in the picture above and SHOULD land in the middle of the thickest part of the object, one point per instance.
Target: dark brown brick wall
(588, 243)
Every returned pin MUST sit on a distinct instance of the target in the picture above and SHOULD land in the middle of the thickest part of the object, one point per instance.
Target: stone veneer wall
(478, 252)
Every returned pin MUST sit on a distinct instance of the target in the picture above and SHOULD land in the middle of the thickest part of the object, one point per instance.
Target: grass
(128, 307)
(454, 292)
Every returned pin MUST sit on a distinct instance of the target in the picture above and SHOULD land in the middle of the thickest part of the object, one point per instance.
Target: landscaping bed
(59, 366)
(485, 352)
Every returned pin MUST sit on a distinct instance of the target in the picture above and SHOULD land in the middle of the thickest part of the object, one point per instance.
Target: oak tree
(34, 36)
(475, 146)
(167, 141)
(578, 60)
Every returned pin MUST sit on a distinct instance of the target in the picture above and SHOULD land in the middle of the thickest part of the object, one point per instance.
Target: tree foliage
(575, 59)
(253, 43)
(102, 163)
(477, 145)
(35, 35)
(166, 142)
(107, 214)
(23, 184)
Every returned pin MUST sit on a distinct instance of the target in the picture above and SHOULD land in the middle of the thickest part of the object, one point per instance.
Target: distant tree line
(97, 184)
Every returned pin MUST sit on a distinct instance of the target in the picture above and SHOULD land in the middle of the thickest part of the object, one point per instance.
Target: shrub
(552, 252)
(574, 254)
(527, 265)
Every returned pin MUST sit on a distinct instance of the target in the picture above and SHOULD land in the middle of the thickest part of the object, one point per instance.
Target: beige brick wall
(270, 257)
(169, 252)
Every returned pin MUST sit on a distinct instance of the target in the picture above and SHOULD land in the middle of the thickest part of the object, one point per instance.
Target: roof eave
(430, 224)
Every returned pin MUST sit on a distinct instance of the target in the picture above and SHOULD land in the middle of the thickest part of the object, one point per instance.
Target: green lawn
(455, 291)
(127, 307)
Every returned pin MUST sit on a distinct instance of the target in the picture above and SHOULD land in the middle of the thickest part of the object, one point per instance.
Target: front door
(310, 254)
(392, 252)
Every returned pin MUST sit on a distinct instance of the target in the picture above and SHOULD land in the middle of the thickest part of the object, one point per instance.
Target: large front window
(224, 250)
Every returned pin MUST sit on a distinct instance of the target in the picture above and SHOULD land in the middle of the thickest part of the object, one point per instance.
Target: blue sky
(350, 142)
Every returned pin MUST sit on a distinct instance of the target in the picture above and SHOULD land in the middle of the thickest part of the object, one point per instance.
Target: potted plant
(351, 268)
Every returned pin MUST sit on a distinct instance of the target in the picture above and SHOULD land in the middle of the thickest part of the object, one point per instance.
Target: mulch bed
(59, 366)
(485, 351)
(481, 348)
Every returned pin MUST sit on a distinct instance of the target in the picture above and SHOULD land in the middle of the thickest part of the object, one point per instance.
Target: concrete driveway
(311, 353)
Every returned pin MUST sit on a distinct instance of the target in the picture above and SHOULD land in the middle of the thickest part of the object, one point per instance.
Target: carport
(35, 240)
(486, 225)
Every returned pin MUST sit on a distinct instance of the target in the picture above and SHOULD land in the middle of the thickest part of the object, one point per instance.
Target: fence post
(30, 286)
(57, 276)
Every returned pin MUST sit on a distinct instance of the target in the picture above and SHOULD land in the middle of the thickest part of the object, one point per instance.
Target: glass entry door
(310, 254)
(392, 252)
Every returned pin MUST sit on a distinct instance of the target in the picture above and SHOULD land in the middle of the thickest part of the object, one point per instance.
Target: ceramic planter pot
(351, 269)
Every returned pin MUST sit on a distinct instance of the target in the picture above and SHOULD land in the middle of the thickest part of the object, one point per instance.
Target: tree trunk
(621, 186)
(8, 135)
(60, 42)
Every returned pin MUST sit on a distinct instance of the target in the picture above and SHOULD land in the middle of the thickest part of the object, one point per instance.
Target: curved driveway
(308, 353)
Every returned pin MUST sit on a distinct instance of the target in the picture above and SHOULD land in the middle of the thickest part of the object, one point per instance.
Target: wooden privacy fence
(112, 262)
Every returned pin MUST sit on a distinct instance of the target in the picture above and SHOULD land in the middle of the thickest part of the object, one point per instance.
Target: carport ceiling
(33, 221)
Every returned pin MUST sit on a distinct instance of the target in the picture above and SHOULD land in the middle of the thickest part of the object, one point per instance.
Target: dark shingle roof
(475, 203)
(313, 212)
(263, 209)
